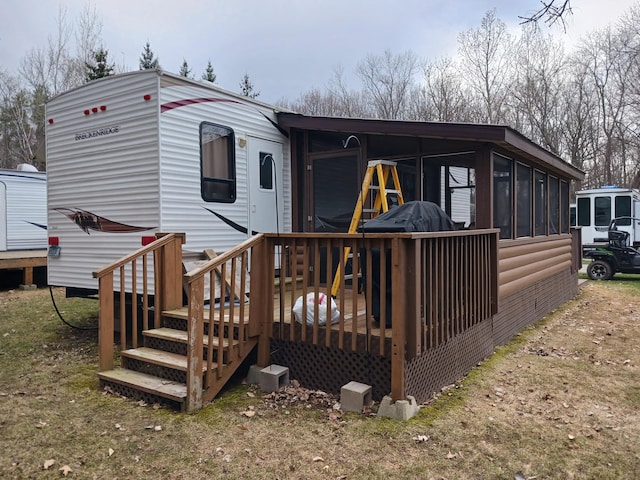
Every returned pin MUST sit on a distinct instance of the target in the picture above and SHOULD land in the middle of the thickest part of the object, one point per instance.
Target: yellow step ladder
(384, 169)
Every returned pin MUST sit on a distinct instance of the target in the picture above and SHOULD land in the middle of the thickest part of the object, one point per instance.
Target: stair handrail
(198, 388)
(221, 258)
(162, 240)
(105, 277)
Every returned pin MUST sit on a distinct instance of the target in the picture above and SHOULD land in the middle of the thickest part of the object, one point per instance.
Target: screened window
(523, 194)
(584, 212)
(554, 206)
(565, 209)
(502, 188)
(602, 210)
(266, 171)
(623, 209)
(217, 163)
(540, 203)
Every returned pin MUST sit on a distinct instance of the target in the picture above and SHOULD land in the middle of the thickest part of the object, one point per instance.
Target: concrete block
(354, 396)
(31, 286)
(253, 376)
(400, 410)
(273, 378)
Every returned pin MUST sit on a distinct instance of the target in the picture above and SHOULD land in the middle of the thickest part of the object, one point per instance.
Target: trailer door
(266, 202)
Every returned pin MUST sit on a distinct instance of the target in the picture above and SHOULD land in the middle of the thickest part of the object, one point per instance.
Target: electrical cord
(53, 301)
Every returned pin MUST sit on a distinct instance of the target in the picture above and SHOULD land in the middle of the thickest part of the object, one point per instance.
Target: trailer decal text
(98, 133)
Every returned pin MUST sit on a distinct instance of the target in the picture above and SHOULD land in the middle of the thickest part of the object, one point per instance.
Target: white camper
(144, 152)
(596, 208)
(23, 209)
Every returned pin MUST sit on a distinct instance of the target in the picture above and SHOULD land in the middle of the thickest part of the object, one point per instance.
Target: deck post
(398, 311)
(171, 272)
(195, 345)
(261, 304)
(105, 322)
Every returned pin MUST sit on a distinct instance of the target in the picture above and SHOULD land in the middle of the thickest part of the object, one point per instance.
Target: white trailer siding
(23, 210)
(114, 176)
(596, 208)
(147, 174)
(183, 208)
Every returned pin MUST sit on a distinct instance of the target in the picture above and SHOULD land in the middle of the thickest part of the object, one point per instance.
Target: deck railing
(149, 271)
(423, 288)
(444, 281)
(218, 291)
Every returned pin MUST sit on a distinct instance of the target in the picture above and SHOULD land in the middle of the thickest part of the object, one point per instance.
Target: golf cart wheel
(599, 270)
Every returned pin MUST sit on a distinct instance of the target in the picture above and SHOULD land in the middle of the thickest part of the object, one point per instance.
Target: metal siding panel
(146, 174)
(114, 176)
(182, 206)
(26, 208)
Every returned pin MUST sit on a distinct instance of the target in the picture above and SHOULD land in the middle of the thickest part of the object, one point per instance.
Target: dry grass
(561, 401)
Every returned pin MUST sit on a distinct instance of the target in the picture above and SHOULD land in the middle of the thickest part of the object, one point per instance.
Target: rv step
(147, 383)
(181, 336)
(160, 358)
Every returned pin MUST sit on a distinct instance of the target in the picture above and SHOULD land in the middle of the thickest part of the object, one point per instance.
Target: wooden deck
(282, 313)
(26, 260)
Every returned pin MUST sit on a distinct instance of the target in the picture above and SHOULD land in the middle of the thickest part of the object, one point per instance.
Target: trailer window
(584, 212)
(266, 171)
(540, 204)
(217, 163)
(523, 195)
(602, 209)
(623, 209)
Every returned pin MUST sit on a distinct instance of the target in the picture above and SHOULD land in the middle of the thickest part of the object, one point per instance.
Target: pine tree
(147, 60)
(100, 67)
(185, 71)
(208, 75)
(247, 87)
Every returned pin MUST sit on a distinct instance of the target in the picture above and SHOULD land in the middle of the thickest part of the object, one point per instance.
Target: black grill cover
(414, 216)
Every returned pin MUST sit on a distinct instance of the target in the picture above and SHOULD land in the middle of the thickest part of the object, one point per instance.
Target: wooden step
(174, 391)
(181, 336)
(160, 358)
(183, 314)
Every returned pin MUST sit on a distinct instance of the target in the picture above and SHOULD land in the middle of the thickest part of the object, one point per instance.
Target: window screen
(502, 188)
(540, 203)
(523, 194)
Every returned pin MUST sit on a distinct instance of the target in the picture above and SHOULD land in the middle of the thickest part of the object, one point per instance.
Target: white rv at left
(144, 152)
(23, 209)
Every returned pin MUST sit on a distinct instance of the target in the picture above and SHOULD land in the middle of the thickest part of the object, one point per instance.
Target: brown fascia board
(500, 135)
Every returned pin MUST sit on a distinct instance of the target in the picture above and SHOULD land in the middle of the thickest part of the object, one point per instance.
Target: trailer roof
(499, 135)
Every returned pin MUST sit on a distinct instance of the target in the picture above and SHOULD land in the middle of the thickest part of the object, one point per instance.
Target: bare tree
(536, 96)
(441, 96)
(387, 80)
(347, 102)
(486, 63)
(610, 74)
(551, 12)
(18, 130)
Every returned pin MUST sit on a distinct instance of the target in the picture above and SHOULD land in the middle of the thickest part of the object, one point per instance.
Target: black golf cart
(616, 256)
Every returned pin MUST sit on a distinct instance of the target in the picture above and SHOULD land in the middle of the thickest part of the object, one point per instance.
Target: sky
(286, 47)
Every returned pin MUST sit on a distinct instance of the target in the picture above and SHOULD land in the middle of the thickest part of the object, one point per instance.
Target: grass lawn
(561, 401)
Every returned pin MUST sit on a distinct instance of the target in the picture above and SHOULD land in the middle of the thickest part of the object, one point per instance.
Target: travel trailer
(23, 209)
(596, 208)
(136, 154)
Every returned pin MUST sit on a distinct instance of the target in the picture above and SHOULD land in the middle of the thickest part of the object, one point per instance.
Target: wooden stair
(157, 371)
